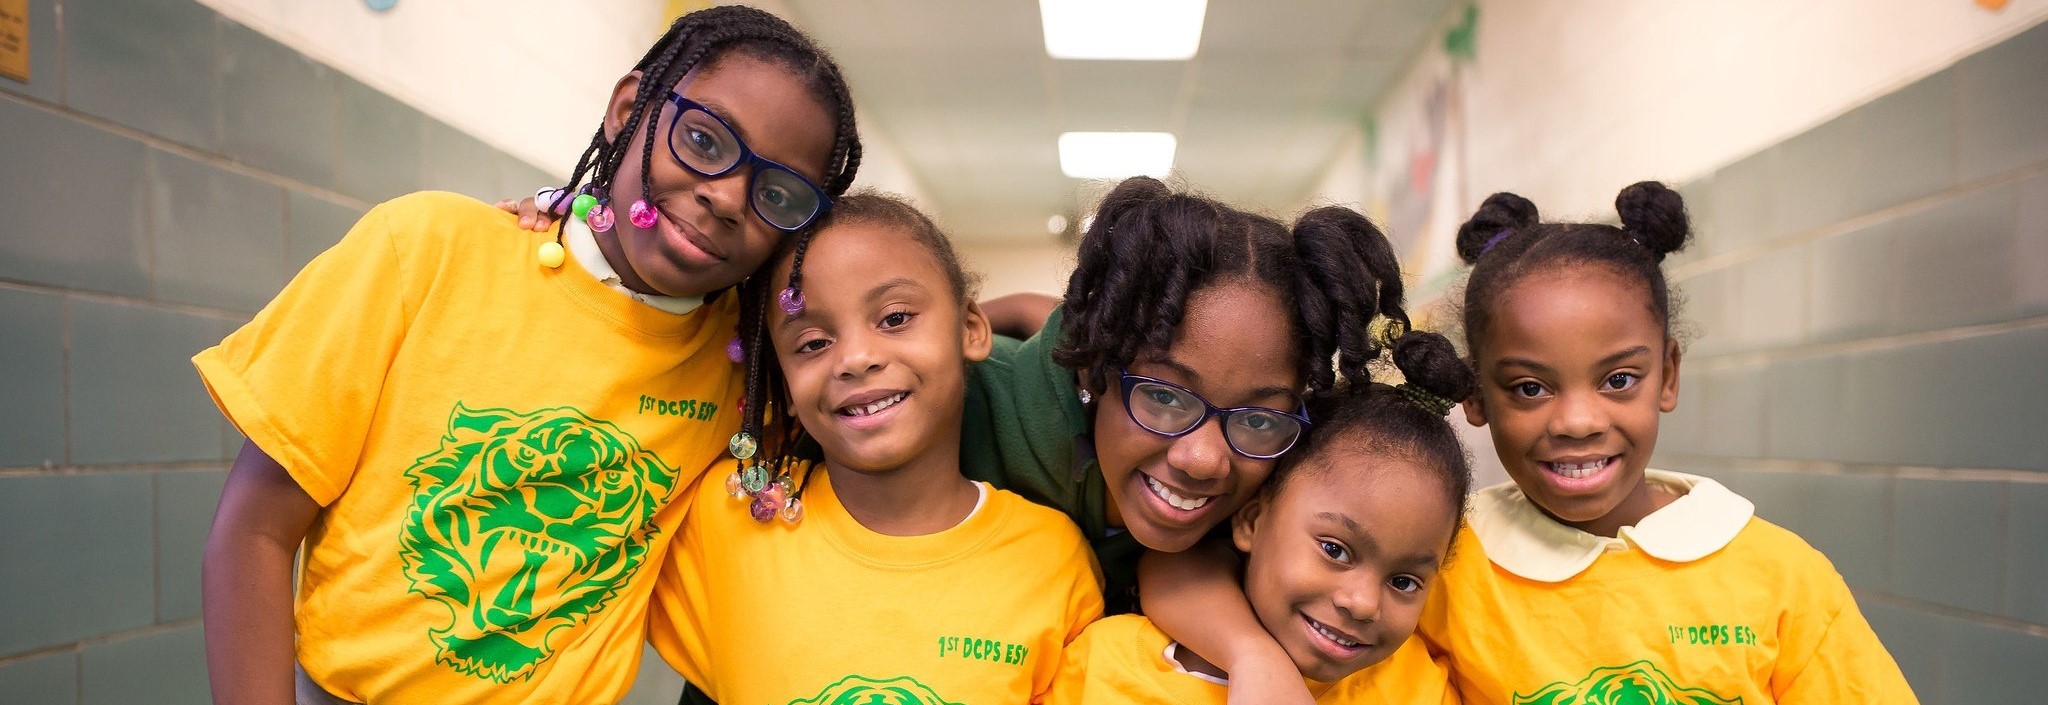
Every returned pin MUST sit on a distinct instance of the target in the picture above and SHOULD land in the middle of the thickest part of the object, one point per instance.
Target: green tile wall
(168, 171)
(1871, 365)
(91, 577)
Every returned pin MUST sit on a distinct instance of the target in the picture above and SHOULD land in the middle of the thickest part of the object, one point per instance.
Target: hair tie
(1422, 398)
(1495, 240)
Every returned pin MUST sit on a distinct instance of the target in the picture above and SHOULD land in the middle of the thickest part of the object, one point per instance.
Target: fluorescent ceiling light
(1122, 29)
(1115, 155)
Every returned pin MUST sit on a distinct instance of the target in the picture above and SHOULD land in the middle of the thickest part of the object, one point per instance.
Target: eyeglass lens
(1172, 411)
(705, 144)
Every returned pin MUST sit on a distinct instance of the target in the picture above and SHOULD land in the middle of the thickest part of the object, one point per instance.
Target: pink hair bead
(641, 214)
(600, 218)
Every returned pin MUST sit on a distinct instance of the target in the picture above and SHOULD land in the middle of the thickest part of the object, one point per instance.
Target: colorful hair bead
(641, 214)
(793, 510)
(762, 510)
(742, 446)
(773, 494)
(791, 301)
(734, 351)
(551, 254)
(600, 218)
(582, 204)
(550, 200)
(733, 486)
(754, 479)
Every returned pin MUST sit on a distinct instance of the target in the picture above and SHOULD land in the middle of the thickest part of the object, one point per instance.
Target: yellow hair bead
(551, 254)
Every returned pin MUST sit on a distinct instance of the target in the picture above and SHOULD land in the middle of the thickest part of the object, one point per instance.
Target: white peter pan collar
(1521, 539)
(582, 245)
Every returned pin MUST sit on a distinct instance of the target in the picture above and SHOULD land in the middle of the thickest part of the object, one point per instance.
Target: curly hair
(1150, 248)
(1379, 419)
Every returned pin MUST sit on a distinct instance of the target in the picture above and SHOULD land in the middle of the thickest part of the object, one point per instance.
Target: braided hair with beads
(700, 39)
(769, 476)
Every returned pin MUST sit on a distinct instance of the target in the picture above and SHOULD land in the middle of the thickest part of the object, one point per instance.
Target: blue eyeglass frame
(1130, 381)
(747, 156)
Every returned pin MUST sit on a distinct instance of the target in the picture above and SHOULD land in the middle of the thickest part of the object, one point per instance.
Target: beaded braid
(700, 39)
(766, 392)
(703, 36)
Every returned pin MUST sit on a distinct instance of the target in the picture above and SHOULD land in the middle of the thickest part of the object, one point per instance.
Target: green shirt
(1024, 430)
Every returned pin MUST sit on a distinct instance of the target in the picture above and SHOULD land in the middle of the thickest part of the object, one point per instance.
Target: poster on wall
(14, 39)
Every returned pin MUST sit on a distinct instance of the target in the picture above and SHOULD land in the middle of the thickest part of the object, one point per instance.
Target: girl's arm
(246, 581)
(1019, 315)
(1194, 596)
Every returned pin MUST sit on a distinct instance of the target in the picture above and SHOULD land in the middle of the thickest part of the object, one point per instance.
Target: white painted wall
(1009, 268)
(1568, 101)
(530, 77)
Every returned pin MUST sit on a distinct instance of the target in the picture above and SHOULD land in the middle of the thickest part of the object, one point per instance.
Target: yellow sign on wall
(14, 39)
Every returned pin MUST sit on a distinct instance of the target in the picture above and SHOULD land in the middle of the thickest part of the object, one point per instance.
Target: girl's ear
(977, 338)
(1475, 409)
(621, 106)
(1667, 393)
(1244, 525)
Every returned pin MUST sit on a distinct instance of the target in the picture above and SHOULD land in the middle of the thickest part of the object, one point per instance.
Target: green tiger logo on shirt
(523, 525)
(861, 690)
(1638, 683)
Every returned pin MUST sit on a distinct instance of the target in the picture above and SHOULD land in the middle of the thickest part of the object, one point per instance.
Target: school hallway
(1864, 306)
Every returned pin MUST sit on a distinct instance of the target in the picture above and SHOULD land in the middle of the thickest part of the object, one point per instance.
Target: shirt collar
(1521, 539)
(582, 245)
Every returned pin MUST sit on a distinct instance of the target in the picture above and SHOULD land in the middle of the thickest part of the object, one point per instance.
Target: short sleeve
(1083, 608)
(1843, 662)
(302, 380)
(677, 609)
(1070, 683)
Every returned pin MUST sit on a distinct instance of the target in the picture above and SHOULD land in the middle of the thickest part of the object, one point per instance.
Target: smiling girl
(1592, 577)
(1342, 547)
(877, 573)
(477, 432)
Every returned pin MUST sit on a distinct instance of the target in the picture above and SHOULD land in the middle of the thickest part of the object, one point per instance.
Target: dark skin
(246, 580)
(707, 239)
(1019, 315)
(879, 322)
(1566, 377)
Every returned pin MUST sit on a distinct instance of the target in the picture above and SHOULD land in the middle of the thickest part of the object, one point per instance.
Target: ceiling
(969, 97)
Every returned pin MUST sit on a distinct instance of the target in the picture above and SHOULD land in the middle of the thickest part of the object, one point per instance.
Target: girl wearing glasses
(1182, 311)
(1154, 401)
(477, 432)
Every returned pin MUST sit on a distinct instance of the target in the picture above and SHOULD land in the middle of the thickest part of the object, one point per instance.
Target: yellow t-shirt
(827, 611)
(496, 445)
(1123, 659)
(1698, 603)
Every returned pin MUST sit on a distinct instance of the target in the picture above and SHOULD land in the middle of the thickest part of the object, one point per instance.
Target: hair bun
(1501, 212)
(1350, 278)
(1431, 364)
(1344, 240)
(1655, 216)
(1129, 195)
